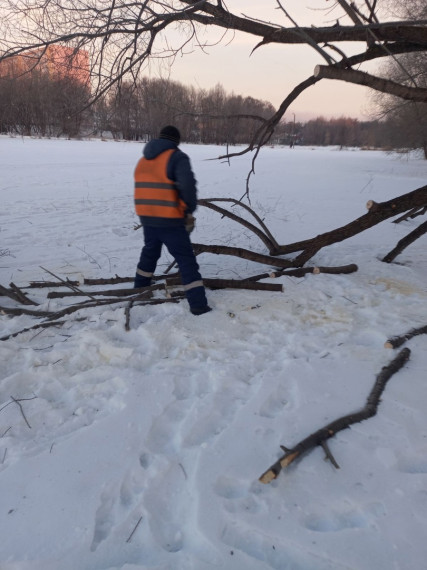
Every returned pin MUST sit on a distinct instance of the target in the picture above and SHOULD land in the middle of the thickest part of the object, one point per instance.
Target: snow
(145, 446)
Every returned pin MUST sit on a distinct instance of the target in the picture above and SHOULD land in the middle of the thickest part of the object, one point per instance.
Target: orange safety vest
(155, 194)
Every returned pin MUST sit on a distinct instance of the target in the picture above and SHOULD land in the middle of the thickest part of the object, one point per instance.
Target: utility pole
(293, 133)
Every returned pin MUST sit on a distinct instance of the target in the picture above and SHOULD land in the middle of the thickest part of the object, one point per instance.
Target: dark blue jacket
(179, 170)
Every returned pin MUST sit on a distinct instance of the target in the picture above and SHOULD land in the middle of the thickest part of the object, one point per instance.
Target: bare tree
(123, 36)
(408, 117)
(36, 104)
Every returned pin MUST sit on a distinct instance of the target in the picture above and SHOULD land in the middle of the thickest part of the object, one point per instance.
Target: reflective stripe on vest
(155, 194)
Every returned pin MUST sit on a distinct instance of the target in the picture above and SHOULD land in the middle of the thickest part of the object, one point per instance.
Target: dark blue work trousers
(178, 243)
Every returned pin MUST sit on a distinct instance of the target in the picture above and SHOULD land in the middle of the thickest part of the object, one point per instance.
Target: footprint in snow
(275, 403)
(131, 488)
(119, 232)
(119, 504)
(275, 552)
(413, 464)
(104, 518)
(210, 418)
(336, 520)
(237, 495)
(164, 436)
(229, 488)
(167, 502)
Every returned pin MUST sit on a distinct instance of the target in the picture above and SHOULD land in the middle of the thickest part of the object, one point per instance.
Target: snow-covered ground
(143, 448)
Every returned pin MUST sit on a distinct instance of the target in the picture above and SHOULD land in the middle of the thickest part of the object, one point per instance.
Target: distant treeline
(138, 111)
(344, 132)
(39, 105)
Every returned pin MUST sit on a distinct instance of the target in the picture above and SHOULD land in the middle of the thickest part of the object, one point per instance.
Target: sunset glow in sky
(272, 71)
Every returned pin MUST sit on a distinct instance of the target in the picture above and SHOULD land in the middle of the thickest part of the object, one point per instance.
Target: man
(165, 199)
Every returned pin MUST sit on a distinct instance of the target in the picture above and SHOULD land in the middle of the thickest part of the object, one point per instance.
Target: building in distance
(56, 61)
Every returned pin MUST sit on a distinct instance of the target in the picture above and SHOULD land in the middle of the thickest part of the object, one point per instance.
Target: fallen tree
(415, 200)
(138, 35)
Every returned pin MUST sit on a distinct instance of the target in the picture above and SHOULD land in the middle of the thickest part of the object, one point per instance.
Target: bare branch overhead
(124, 36)
(379, 84)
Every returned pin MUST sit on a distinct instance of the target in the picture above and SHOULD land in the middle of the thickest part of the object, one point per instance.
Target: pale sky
(272, 71)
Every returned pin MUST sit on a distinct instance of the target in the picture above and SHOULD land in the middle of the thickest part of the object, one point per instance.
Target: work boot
(200, 310)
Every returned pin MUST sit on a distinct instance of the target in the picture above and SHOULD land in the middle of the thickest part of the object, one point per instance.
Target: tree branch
(404, 242)
(397, 341)
(268, 240)
(325, 433)
(242, 253)
(418, 94)
(377, 213)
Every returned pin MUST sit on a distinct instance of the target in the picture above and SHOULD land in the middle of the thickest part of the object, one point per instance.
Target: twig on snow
(134, 530)
(18, 402)
(38, 326)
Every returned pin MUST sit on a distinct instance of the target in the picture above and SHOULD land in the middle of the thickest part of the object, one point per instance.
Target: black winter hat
(171, 133)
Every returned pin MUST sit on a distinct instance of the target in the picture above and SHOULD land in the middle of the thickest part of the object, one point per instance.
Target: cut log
(230, 284)
(16, 294)
(66, 282)
(129, 292)
(51, 284)
(325, 433)
(302, 271)
(239, 284)
(115, 280)
(109, 281)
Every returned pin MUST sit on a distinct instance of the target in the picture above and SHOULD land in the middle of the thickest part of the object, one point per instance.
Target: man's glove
(190, 222)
